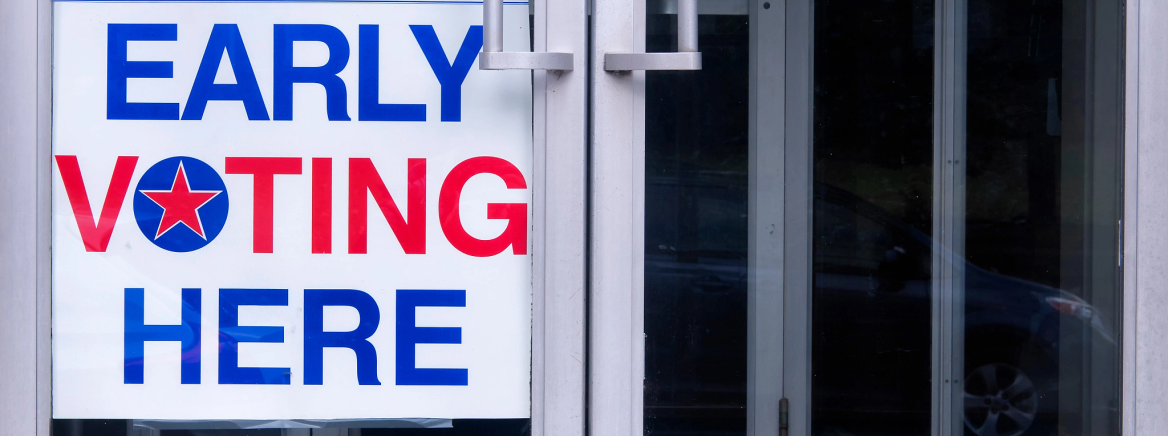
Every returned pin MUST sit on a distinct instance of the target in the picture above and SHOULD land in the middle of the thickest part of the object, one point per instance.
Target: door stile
(559, 245)
(765, 230)
(949, 163)
(616, 323)
(798, 206)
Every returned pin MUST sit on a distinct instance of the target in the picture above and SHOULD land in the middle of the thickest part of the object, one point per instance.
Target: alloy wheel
(1000, 400)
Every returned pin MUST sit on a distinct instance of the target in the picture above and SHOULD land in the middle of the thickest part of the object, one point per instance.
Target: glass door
(857, 218)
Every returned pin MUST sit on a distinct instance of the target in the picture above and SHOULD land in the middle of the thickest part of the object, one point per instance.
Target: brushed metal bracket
(687, 56)
(525, 61)
(652, 61)
(494, 58)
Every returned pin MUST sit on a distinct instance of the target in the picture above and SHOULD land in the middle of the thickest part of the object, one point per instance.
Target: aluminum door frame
(766, 217)
(781, 198)
(616, 330)
(25, 114)
(780, 219)
(558, 356)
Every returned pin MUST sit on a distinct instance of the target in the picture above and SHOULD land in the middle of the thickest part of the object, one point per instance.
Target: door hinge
(784, 417)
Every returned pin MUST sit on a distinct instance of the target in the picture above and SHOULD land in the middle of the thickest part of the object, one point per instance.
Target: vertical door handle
(494, 58)
(687, 56)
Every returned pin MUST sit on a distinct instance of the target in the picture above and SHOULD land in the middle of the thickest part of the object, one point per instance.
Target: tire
(1007, 391)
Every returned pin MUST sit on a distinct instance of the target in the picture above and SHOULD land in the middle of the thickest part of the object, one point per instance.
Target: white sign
(289, 210)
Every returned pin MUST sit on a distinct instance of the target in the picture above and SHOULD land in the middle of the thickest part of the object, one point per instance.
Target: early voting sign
(289, 210)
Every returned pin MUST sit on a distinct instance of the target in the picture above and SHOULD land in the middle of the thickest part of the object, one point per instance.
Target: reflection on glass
(695, 232)
(873, 212)
(1041, 273)
(1042, 213)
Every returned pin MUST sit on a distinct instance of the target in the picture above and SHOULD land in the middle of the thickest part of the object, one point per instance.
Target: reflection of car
(872, 305)
(871, 319)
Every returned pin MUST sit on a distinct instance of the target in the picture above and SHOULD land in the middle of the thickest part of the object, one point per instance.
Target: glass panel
(1039, 272)
(873, 214)
(1043, 202)
(695, 230)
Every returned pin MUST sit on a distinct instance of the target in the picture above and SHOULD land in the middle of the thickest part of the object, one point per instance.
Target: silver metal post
(494, 58)
(25, 217)
(687, 26)
(948, 284)
(492, 26)
(687, 56)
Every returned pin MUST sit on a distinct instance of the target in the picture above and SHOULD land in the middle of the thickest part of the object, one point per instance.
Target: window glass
(695, 231)
(1032, 277)
(873, 217)
(1043, 203)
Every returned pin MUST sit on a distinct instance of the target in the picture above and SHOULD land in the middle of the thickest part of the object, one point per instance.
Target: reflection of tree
(1013, 157)
(873, 104)
(904, 192)
(997, 191)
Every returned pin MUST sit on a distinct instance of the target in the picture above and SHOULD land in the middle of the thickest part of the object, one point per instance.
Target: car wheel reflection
(1000, 400)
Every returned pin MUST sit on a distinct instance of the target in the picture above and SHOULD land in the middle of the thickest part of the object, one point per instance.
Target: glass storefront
(962, 171)
(993, 252)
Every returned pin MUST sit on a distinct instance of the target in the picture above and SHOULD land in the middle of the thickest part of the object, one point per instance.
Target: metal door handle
(687, 56)
(494, 58)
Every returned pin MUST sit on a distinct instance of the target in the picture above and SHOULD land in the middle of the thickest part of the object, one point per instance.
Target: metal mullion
(1129, 255)
(559, 232)
(798, 201)
(44, 237)
(24, 217)
(616, 298)
(948, 283)
(765, 231)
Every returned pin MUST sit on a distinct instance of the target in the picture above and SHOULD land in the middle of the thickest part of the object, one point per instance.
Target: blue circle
(162, 177)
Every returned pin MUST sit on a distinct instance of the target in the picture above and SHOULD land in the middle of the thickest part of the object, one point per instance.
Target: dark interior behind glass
(873, 214)
(695, 232)
(1043, 204)
(1040, 282)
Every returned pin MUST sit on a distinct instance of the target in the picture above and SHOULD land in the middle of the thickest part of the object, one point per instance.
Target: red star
(180, 204)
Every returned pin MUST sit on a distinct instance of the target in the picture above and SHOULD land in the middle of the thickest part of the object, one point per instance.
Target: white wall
(1146, 269)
